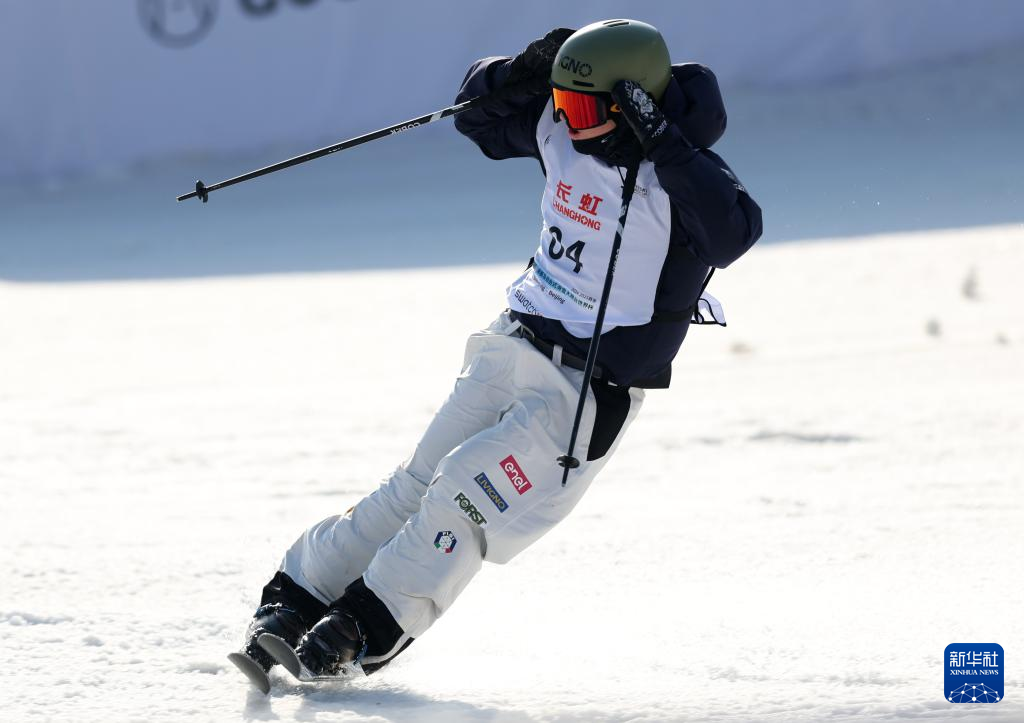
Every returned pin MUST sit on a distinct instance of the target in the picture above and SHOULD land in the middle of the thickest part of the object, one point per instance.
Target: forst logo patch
(492, 494)
(515, 474)
(575, 66)
(974, 673)
(467, 506)
(445, 541)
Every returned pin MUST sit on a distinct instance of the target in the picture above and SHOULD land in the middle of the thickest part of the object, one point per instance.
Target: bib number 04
(556, 250)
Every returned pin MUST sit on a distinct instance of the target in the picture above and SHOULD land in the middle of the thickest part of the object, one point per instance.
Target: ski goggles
(581, 110)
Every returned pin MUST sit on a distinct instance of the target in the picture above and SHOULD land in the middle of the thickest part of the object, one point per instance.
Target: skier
(483, 483)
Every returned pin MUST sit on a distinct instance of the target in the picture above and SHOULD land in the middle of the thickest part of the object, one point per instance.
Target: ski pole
(202, 190)
(567, 461)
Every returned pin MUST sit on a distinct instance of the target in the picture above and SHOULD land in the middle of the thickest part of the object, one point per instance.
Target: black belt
(555, 353)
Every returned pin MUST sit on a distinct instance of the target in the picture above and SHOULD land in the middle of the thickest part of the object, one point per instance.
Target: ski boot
(332, 649)
(274, 619)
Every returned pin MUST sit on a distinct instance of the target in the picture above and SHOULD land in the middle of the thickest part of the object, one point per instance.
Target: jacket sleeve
(505, 128)
(720, 219)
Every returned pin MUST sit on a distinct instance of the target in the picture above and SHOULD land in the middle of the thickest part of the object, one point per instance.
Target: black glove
(642, 113)
(535, 62)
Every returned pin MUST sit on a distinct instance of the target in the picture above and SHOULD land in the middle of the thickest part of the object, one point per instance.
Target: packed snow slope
(828, 495)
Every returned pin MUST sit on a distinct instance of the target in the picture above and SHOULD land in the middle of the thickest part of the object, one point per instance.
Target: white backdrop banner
(106, 83)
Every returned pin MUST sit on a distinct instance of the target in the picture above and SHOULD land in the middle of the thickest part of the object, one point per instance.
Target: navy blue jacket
(714, 219)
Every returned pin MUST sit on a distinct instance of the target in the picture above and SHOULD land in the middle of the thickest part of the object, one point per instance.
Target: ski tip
(252, 670)
(282, 652)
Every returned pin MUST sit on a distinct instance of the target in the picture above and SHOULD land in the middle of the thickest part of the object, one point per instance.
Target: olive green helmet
(597, 56)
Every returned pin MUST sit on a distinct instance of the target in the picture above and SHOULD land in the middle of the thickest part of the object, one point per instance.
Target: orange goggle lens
(580, 110)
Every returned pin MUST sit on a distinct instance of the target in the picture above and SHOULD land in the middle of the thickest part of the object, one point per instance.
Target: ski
(252, 670)
(284, 654)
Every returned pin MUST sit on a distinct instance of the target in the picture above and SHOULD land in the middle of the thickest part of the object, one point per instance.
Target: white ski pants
(482, 484)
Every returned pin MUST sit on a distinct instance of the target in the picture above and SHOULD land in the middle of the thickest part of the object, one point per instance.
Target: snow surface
(829, 494)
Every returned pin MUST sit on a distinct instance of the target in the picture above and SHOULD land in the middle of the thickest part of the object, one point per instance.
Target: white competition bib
(580, 210)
